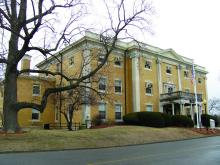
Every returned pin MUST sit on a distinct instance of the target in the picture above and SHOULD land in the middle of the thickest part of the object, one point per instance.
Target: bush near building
(182, 121)
(157, 119)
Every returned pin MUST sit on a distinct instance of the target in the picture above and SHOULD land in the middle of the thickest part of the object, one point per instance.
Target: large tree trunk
(10, 98)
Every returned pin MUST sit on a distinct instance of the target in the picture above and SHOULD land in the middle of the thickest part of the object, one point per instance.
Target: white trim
(106, 80)
(117, 79)
(121, 111)
(148, 60)
(179, 78)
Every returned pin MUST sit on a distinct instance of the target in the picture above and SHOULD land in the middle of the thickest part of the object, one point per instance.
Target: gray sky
(192, 29)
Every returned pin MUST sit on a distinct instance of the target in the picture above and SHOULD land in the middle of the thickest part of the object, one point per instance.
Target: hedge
(157, 119)
(151, 119)
(182, 121)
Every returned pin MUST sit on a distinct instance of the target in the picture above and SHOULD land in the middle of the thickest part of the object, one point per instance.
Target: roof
(122, 45)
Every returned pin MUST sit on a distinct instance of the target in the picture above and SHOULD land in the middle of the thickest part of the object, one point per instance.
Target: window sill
(118, 93)
(148, 94)
(147, 69)
(118, 66)
(35, 95)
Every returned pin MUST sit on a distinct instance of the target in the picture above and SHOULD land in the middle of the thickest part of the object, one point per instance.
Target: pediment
(170, 53)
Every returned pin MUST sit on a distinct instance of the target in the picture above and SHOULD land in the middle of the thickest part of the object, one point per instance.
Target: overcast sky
(192, 29)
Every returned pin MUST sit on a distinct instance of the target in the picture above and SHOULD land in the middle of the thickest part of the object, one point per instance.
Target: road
(189, 152)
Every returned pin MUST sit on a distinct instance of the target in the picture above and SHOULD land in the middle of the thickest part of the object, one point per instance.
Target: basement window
(35, 115)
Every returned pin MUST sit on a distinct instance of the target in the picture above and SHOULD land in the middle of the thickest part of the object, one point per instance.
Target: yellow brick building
(137, 76)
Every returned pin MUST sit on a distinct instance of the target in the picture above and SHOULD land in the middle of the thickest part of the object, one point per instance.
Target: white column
(179, 77)
(181, 108)
(159, 78)
(136, 84)
(85, 71)
(173, 111)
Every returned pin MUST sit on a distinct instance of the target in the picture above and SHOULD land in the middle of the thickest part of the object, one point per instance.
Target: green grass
(38, 140)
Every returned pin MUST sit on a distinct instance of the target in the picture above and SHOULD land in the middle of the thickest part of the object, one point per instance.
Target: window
(102, 111)
(169, 69)
(101, 58)
(187, 91)
(118, 112)
(35, 115)
(118, 61)
(149, 108)
(71, 61)
(148, 88)
(102, 84)
(170, 89)
(199, 80)
(36, 89)
(148, 65)
(58, 69)
(186, 73)
(118, 88)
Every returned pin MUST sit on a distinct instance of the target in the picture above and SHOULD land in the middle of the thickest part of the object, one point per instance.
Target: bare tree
(23, 27)
(214, 105)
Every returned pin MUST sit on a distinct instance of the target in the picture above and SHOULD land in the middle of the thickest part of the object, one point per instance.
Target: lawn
(38, 139)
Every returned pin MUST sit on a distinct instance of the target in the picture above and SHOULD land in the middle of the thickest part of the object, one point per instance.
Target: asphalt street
(204, 151)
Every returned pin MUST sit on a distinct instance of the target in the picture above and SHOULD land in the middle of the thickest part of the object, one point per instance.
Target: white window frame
(36, 94)
(37, 112)
(105, 110)
(166, 86)
(146, 65)
(100, 90)
(170, 68)
(146, 84)
(115, 86)
(120, 111)
(118, 58)
(149, 104)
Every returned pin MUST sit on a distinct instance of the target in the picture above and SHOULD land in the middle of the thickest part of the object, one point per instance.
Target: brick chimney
(25, 62)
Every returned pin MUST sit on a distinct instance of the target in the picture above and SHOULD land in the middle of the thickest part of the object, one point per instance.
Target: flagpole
(195, 92)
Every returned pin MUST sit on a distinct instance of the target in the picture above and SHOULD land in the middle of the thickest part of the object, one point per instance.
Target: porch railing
(180, 95)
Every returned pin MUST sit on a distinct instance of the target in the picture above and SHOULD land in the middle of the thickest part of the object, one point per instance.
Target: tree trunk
(10, 98)
(70, 121)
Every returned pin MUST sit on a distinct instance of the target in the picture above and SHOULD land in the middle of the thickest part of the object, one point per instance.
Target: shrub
(205, 119)
(167, 119)
(96, 120)
(151, 119)
(131, 119)
(182, 121)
